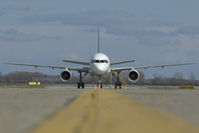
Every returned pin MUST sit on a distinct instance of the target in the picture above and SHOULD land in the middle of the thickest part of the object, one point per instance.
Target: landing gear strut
(118, 83)
(80, 84)
(99, 85)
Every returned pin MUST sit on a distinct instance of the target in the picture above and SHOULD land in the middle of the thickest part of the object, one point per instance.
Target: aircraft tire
(120, 85)
(101, 86)
(116, 84)
(82, 85)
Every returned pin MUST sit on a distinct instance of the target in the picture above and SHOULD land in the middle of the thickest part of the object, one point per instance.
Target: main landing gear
(80, 84)
(118, 83)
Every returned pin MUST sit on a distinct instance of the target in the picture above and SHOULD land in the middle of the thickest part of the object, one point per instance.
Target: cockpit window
(99, 61)
(105, 61)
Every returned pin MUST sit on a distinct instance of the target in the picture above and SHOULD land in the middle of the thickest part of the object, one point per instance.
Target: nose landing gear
(99, 85)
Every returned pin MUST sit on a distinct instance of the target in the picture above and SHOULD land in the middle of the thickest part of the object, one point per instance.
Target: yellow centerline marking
(105, 111)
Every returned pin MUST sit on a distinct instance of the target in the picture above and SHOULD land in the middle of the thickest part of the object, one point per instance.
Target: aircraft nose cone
(101, 69)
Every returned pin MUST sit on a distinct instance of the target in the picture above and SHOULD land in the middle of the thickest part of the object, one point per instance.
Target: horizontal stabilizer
(122, 62)
(77, 62)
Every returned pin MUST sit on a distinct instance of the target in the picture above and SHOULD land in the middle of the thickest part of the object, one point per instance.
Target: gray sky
(151, 32)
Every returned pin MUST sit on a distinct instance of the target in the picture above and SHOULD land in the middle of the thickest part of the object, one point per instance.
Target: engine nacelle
(133, 75)
(65, 75)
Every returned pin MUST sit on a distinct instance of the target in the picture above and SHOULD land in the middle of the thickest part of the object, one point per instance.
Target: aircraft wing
(162, 66)
(52, 67)
(76, 62)
(146, 67)
(122, 62)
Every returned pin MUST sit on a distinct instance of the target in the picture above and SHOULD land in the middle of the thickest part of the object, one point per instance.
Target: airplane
(99, 65)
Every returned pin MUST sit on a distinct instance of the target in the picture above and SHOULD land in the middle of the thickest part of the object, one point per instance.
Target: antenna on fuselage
(98, 50)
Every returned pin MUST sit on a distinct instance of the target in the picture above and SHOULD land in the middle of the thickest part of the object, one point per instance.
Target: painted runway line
(105, 111)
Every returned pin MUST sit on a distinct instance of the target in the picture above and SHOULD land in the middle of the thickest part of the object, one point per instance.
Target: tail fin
(98, 40)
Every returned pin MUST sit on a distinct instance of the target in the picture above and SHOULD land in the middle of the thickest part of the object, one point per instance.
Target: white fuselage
(99, 65)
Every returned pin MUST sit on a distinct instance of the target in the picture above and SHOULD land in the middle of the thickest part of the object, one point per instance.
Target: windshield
(99, 61)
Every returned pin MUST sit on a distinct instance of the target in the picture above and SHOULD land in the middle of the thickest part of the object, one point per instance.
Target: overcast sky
(149, 31)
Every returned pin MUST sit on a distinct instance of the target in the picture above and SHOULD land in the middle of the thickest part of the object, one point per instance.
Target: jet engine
(133, 75)
(65, 75)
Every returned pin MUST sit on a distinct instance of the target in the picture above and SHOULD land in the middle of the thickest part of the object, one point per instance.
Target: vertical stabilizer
(98, 50)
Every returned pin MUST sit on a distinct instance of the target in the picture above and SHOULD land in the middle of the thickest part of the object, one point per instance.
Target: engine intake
(133, 75)
(65, 75)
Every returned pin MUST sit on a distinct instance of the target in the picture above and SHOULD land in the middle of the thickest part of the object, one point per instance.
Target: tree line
(25, 77)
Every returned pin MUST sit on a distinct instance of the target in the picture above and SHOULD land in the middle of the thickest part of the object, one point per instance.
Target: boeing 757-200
(99, 66)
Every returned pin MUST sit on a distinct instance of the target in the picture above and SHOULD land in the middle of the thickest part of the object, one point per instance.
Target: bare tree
(1, 77)
(178, 75)
(22, 76)
(192, 76)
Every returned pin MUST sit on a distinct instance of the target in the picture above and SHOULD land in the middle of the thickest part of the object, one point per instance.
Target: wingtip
(191, 63)
(6, 63)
